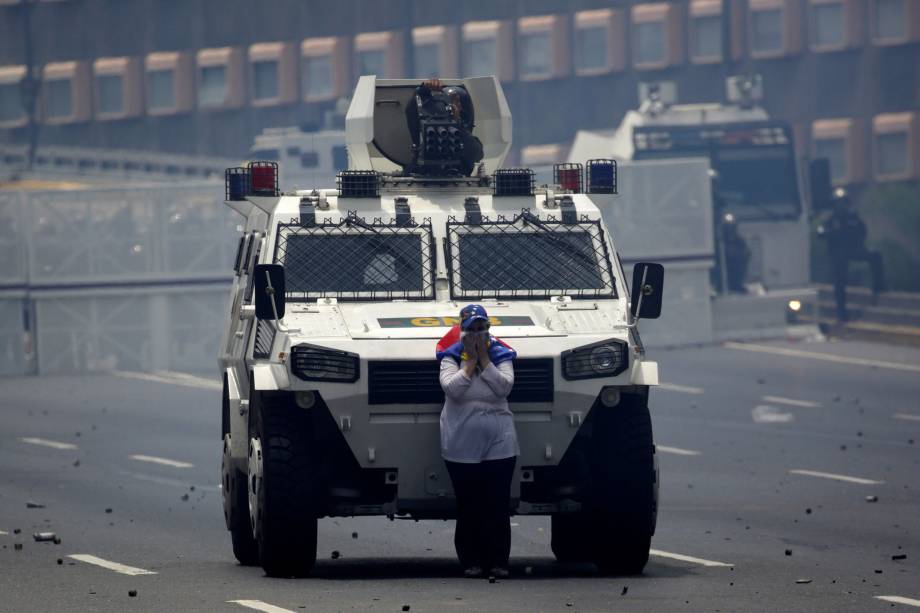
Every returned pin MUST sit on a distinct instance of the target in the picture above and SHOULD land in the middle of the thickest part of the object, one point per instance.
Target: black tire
(570, 538)
(285, 521)
(236, 510)
(623, 507)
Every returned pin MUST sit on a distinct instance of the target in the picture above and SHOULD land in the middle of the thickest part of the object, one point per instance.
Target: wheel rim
(255, 484)
(226, 482)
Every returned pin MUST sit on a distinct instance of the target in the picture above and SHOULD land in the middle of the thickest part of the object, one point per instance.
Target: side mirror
(269, 291)
(647, 285)
(819, 183)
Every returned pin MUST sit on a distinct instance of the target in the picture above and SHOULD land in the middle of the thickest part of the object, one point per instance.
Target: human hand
(482, 349)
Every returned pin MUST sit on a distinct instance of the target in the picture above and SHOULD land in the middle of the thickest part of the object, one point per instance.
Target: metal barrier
(128, 278)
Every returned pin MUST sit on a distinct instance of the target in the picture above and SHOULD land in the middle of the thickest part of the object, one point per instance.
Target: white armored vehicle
(331, 394)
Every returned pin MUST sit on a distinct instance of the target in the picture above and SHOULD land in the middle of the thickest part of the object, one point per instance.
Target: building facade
(205, 76)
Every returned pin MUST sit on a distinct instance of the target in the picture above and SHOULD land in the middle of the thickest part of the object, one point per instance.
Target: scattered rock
(878, 571)
(16, 530)
(843, 448)
(405, 607)
(872, 498)
(184, 497)
(569, 604)
(808, 511)
(108, 509)
(34, 505)
(859, 433)
(336, 555)
(761, 381)
(625, 589)
(57, 540)
(191, 488)
(788, 552)
(803, 581)
(41, 537)
(899, 556)
(78, 434)
(60, 562)
(132, 593)
(17, 546)
(354, 535)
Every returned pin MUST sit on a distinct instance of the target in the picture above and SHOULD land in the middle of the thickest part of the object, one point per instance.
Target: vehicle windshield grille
(527, 257)
(357, 260)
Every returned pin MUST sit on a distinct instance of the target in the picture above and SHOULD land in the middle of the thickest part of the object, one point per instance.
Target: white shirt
(476, 423)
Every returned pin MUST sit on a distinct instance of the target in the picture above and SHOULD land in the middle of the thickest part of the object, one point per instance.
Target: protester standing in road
(479, 443)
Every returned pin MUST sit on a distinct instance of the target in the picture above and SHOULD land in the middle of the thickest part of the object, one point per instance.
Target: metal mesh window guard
(357, 260)
(527, 257)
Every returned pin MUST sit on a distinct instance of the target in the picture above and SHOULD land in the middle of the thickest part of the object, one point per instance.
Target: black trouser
(483, 490)
(841, 270)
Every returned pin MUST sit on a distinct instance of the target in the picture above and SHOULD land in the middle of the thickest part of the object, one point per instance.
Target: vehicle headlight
(312, 363)
(604, 359)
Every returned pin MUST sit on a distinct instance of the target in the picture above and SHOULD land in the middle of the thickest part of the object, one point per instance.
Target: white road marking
(913, 602)
(683, 558)
(258, 605)
(792, 402)
(684, 389)
(765, 414)
(827, 357)
(171, 378)
(848, 479)
(515, 524)
(115, 566)
(906, 416)
(2, 533)
(676, 450)
(46, 443)
(164, 461)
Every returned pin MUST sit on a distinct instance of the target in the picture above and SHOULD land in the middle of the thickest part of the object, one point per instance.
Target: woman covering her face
(478, 442)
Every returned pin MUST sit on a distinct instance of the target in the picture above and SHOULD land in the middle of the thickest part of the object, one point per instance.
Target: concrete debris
(184, 497)
(808, 511)
(878, 571)
(354, 535)
(34, 505)
(899, 556)
(108, 509)
(17, 546)
(788, 552)
(336, 555)
(76, 463)
(60, 562)
(625, 589)
(872, 498)
(405, 607)
(16, 530)
(41, 537)
(132, 593)
(761, 381)
(803, 581)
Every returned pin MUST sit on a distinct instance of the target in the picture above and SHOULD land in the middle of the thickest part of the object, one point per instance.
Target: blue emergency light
(602, 176)
(236, 183)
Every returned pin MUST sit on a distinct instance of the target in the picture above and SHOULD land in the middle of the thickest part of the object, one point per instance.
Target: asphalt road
(738, 529)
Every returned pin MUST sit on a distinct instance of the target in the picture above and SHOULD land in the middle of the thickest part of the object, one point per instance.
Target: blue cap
(471, 313)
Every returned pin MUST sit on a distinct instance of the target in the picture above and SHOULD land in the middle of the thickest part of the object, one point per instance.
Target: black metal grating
(417, 381)
(312, 363)
(265, 338)
(357, 260)
(527, 257)
(513, 182)
(601, 176)
(358, 184)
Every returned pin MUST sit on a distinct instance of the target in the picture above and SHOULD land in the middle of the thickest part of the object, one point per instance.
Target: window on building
(706, 37)
(10, 102)
(318, 76)
(591, 48)
(265, 80)
(58, 98)
(481, 57)
(536, 54)
(827, 24)
(891, 154)
(427, 60)
(649, 42)
(767, 30)
(309, 159)
(835, 150)
(212, 88)
(111, 93)
(340, 158)
(161, 89)
(890, 20)
(372, 61)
